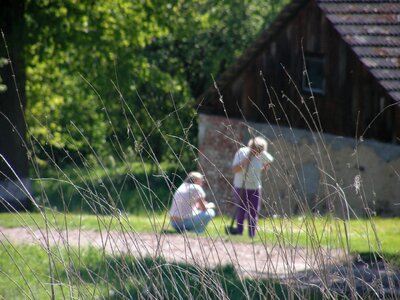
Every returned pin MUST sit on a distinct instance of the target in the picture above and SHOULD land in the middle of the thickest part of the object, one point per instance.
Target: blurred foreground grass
(90, 274)
(34, 272)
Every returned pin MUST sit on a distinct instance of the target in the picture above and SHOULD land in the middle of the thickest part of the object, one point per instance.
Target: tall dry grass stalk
(119, 262)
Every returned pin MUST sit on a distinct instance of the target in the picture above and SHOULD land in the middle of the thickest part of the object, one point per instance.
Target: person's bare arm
(243, 164)
(266, 167)
(201, 204)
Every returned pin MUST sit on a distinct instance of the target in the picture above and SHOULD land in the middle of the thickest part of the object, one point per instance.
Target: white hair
(193, 176)
(258, 143)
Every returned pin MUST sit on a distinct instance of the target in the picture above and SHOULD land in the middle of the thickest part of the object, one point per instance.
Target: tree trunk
(14, 162)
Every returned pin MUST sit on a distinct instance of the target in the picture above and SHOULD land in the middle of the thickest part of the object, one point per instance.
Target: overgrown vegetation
(131, 187)
(110, 87)
(96, 275)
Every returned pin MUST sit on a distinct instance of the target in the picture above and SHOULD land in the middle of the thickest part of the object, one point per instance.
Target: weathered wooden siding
(352, 99)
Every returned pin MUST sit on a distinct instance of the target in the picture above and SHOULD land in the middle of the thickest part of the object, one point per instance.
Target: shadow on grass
(147, 278)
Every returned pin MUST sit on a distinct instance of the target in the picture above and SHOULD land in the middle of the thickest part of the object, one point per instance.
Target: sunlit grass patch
(89, 273)
(24, 273)
(363, 235)
(63, 221)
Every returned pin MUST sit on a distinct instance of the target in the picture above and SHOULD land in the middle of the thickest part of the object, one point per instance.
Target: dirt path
(321, 268)
(248, 259)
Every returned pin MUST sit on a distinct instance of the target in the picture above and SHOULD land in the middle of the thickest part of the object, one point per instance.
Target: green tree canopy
(106, 75)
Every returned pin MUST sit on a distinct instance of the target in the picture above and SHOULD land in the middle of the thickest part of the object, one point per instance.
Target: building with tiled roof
(322, 84)
(352, 52)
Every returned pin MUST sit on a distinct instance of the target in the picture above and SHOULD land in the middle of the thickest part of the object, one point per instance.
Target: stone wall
(311, 173)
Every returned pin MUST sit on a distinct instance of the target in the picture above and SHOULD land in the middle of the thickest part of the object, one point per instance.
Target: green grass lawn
(89, 273)
(363, 235)
(25, 274)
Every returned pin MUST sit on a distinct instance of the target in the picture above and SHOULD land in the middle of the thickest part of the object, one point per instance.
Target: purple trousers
(248, 202)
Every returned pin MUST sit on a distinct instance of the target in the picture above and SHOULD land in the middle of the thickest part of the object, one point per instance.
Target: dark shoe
(232, 230)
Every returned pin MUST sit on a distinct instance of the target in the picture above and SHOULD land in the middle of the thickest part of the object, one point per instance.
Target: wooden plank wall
(352, 99)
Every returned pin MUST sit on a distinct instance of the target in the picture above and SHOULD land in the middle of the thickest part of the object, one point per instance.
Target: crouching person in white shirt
(190, 211)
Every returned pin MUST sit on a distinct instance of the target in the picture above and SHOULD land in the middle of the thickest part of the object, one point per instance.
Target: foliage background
(118, 77)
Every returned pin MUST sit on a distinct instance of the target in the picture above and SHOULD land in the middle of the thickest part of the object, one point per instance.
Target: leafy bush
(133, 188)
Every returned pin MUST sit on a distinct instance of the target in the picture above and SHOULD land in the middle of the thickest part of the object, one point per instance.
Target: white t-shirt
(253, 176)
(185, 198)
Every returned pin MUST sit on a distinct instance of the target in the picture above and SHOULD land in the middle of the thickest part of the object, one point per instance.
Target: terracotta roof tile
(395, 96)
(382, 74)
(372, 40)
(372, 29)
(372, 51)
(364, 19)
(381, 63)
(390, 85)
(358, 7)
(382, 30)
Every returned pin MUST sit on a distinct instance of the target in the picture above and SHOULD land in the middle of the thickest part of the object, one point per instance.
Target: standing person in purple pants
(247, 166)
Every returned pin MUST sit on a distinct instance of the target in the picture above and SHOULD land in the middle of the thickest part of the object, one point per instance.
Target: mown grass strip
(366, 235)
